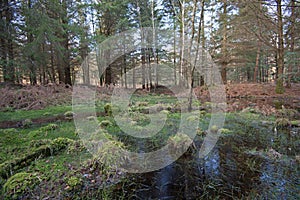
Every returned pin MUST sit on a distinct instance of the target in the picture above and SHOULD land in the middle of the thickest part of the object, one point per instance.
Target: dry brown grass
(34, 97)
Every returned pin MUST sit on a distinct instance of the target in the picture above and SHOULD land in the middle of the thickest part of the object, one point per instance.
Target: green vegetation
(19, 184)
(19, 115)
(36, 156)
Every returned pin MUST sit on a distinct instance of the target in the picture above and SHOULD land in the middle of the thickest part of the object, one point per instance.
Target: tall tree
(292, 40)
(280, 48)
(7, 40)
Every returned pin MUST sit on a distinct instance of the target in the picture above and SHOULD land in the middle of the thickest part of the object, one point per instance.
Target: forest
(252, 41)
(145, 99)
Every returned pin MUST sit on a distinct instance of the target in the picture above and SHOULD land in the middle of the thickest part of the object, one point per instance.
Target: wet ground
(258, 162)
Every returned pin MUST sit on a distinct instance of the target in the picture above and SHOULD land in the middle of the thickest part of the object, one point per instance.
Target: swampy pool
(253, 161)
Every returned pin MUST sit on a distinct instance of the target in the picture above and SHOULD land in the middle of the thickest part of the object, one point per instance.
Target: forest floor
(38, 97)
(258, 96)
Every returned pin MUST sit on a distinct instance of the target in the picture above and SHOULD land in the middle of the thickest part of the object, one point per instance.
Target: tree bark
(224, 45)
(7, 43)
(292, 43)
(280, 50)
(182, 35)
(257, 62)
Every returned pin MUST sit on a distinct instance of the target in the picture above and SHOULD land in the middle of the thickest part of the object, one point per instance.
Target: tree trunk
(182, 37)
(143, 69)
(257, 62)
(7, 43)
(196, 58)
(133, 73)
(280, 50)
(65, 45)
(224, 45)
(292, 43)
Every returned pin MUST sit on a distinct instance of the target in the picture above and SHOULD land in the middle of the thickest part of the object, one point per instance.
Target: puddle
(240, 166)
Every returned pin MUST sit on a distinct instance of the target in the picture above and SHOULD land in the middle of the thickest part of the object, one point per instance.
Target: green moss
(277, 104)
(282, 122)
(20, 184)
(46, 114)
(49, 127)
(27, 123)
(105, 123)
(214, 128)
(279, 86)
(8, 167)
(38, 143)
(73, 182)
(110, 156)
(165, 112)
(35, 133)
(142, 103)
(43, 130)
(202, 113)
(76, 146)
(295, 123)
(192, 118)
(60, 143)
(69, 115)
(10, 131)
(108, 109)
(92, 118)
(179, 143)
(200, 132)
(19, 115)
(287, 113)
(225, 131)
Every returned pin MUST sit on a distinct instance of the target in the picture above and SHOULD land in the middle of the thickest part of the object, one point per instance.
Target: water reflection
(228, 172)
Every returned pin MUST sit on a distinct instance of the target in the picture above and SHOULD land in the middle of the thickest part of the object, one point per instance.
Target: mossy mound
(178, 144)
(43, 149)
(110, 156)
(108, 109)
(69, 115)
(105, 123)
(73, 183)
(10, 131)
(43, 130)
(27, 123)
(20, 184)
(282, 123)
